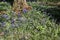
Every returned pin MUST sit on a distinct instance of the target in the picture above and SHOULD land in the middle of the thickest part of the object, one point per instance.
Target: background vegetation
(37, 24)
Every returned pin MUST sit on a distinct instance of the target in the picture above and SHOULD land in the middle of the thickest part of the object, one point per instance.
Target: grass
(33, 25)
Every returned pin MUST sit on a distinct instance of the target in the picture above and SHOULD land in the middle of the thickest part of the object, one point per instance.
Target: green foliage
(4, 6)
(49, 0)
(33, 25)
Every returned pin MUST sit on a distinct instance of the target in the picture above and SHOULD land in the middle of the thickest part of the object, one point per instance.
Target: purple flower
(24, 10)
(5, 16)
(12, 21)
(14, 25)
(3, 24)
(19, 14)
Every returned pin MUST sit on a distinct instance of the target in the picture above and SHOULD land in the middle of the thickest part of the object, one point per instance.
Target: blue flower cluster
(5, 16)
(24, 10)
(2, 24)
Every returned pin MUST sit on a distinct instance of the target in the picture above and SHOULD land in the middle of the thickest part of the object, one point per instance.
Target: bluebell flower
(5, 16)
(12, 21)
(14, 25)
(19, 14)
(3, 24)
(24, 10)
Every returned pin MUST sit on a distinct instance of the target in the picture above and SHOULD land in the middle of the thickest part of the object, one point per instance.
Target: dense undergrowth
(52, 11)
(32, 25)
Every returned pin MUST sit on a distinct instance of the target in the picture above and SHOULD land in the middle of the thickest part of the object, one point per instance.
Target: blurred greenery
(32, 25)
(4, 6)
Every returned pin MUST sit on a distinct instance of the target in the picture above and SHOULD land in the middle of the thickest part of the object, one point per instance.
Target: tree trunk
(19, 5)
